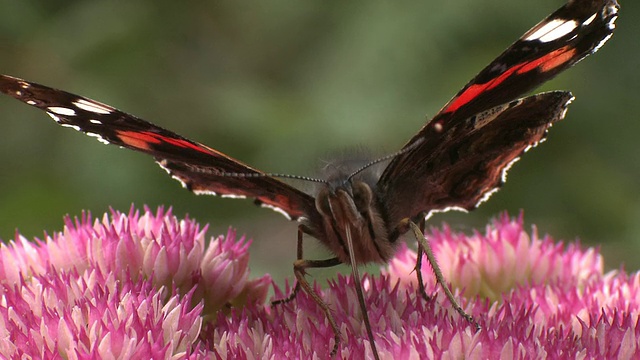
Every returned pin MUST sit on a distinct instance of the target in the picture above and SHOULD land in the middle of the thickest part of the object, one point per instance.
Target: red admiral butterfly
(456, 160)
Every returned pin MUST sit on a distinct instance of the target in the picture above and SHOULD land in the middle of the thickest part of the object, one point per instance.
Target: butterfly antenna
(310, 179)
(284, 176)
(385, 158)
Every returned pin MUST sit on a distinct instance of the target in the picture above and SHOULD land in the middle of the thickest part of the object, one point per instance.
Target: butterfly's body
(457, 160)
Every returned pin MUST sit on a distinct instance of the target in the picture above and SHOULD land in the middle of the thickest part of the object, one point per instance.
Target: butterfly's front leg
(301, 263)
(299, 256)
(300, 267)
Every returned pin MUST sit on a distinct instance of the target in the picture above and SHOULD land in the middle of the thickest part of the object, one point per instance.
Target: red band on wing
(141, 140)
(549, 61)
(184, 144)
(138, 140)
(545, 63)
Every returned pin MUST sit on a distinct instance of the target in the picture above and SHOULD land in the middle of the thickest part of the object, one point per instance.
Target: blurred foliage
(284, 84)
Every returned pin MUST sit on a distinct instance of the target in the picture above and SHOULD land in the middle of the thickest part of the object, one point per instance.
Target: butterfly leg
(425, 248)
(299, 256)
(300, 267)
(319, 264)
(420, 252)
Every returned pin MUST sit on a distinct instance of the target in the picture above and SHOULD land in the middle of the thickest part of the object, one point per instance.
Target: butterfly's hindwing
(471, 160)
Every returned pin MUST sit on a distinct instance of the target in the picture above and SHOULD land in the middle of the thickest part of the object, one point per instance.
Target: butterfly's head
(347, 191)
(350, 212)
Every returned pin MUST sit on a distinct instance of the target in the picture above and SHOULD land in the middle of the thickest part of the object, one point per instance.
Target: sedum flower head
(504, 257)
(125, 286)
(72, 315)
(150, 286)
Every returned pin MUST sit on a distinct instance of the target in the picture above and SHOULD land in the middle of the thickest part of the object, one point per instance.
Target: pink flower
(148, 286)
(125, 287)
(504, 258)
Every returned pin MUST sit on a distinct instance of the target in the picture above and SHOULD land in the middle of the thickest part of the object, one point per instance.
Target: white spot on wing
(488, 194)
(94, 121)
(54, 117)
(569, 102)
(31, 102)
(74, 127)
(599, 45)
(276, 209)
(93, 107)
(589, 20)
(162, 164)
(552, 30)
(612, 24)
(184, 184)
(232, 196)
(443, 210)
(508, 167)
(61, 110)
(199, 192)
(566, 107)
(98, 137)
(613, 11)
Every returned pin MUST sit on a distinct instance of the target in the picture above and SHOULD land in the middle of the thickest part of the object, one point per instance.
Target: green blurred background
(282, 85)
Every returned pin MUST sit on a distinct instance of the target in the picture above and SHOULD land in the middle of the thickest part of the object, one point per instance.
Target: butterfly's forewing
(558, 42)
(562, 39)
(197, 166)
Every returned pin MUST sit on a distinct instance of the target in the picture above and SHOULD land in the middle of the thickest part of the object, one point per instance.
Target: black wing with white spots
(197, 166)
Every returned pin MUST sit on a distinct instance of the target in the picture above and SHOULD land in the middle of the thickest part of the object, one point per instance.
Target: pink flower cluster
(128, 286)
(149, 286)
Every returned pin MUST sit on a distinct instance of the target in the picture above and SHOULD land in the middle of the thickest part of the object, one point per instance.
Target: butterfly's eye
(362, 195)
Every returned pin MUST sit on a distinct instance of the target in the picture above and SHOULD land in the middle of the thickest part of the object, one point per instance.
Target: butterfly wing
(198, 167)
(558, 42)
(459, 158)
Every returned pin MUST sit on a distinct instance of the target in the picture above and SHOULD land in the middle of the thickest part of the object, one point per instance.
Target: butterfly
(360, 210)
